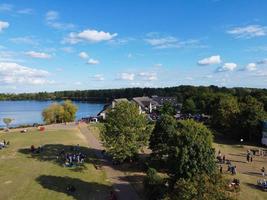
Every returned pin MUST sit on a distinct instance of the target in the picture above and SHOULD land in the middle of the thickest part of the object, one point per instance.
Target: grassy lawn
(248, 173)
(41, 176)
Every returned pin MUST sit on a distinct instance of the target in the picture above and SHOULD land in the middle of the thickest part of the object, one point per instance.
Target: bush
(154, 185)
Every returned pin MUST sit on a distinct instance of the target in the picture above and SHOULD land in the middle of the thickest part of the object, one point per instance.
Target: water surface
(29, 112)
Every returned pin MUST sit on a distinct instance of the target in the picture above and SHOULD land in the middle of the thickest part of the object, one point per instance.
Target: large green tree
(126, 131)
(251, 114)
(201, 187)
(225, 111)
(189, 106)
(58, 113)
(190, 151)
(164, 130)
(69, 111)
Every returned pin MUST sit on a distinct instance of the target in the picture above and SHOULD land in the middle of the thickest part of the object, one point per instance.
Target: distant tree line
(236, 112)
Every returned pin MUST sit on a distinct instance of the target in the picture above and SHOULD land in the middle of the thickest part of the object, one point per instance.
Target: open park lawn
(26, 175)
(247, 173)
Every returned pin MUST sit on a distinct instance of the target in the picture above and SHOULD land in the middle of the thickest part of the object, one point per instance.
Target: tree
(190, 151)
(167, 108)
(126, 131)
(189, 106)
(225, 111)
(154, 185)
(58, 113)
(7, 121)
(201, 187)
(251, 114)
(69, 111)
(165, 128)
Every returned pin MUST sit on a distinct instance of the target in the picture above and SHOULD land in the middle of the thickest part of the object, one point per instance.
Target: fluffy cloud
(148, 76)
(83, 55)
(262, 62)
(251, 67)
(126, 76)
(89, 35)
(35, 54)
(52, 17)
(159, 42)
(13, 73)
(3, 25)
(98, 77)
(210, 60)
(227, 67)
(92, 61)
(248, 31)
(6, 7)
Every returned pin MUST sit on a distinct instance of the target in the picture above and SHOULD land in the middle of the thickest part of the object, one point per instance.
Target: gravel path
(122, 187)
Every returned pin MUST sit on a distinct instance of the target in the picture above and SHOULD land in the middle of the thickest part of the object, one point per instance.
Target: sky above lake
(78, 44)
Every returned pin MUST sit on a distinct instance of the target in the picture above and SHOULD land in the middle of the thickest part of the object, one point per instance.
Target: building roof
(144, 101)
(120, 100)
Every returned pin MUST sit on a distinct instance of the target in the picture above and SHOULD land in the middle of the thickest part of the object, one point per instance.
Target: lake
(29, 112)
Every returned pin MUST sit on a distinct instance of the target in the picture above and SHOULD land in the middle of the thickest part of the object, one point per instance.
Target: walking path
(122, 187)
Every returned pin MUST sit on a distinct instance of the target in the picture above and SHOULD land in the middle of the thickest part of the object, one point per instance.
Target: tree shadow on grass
(53, 153)
(82, 190)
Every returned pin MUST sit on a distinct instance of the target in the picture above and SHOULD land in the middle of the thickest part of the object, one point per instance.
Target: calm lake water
(29, 112)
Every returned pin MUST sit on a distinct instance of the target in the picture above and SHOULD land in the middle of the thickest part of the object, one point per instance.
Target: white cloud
(98, 77)
(3, 25)
(248, 31)
(25, 40)
(148, 76)
(158, 65)
(92, 61)
(126, 76)
(135, 84)
(251, 67)
(210, 60)
(83, 55)
(35, 54)
(89, 35)
(78, 83)
(227, 67)
(165, 42)
(13, 73)
(6, 7)
(262, 62)
(51, 15)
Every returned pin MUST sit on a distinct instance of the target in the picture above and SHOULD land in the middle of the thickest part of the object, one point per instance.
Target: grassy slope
(24, 177)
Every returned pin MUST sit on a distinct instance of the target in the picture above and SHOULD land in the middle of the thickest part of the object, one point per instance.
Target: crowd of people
(73, 158)
(222, 160)
(4, 144)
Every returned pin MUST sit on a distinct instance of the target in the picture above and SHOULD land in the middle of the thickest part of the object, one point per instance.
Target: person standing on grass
(263, 171)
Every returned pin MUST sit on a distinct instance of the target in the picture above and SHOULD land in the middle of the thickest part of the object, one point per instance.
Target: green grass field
(248, 173)
(40, 176)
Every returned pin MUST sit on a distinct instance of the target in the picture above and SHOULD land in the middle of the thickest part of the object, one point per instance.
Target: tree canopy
(126, 131)
(58, 113)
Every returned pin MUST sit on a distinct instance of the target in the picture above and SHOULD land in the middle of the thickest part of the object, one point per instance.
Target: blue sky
(65, 45)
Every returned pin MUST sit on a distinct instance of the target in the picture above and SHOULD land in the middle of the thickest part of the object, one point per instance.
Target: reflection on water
(29, 112)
